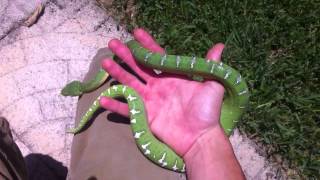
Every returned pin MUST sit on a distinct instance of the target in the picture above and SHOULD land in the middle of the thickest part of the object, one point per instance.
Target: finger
(121, 75)
(124, 53)
(214, 54)
(114, 106)
(147, 41)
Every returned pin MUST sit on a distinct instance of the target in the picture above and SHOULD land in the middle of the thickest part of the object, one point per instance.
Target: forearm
(212, 157)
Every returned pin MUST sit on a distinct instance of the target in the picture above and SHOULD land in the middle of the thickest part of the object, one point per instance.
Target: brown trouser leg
(106, 149)
(12, 165)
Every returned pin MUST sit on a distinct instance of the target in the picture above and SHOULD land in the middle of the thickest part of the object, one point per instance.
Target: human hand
(178, 110)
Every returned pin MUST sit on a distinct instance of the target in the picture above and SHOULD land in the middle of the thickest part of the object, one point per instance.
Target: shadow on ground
(45, 167)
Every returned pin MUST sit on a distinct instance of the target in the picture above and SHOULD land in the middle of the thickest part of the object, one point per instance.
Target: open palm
(178, 110)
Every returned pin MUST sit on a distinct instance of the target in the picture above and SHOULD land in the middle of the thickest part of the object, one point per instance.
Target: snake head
(72, 89)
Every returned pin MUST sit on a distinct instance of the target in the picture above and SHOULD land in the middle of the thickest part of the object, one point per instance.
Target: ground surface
(275, 45)
(37, 62)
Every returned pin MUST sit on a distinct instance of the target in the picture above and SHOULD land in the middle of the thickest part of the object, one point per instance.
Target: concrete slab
(38, 61)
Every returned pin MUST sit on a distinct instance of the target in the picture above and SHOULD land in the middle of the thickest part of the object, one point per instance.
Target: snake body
(234, 103)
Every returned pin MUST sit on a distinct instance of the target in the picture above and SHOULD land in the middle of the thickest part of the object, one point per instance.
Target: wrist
(213, 136)
(212, 157)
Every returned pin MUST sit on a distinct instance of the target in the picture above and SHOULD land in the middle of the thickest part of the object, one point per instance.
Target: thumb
(214, 54)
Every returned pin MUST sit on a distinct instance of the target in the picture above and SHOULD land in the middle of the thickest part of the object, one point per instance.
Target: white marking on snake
(227, 74)
(147, 56)
(164, 164)
(242, 107)
(131, 98)
(238, 80)
(178, 59)
(162, 159)
(157, 71)
(147, 152)
(220, 66)
(109, 91)
(124, 89)
(193, 60)
(133, 111)
(229, 130)
(183, 168)
(138, 134)
(212, 67)
(133, 121)
(242, 92)
(164, 58)
(115, 88)
(175, 166)
(144, 146)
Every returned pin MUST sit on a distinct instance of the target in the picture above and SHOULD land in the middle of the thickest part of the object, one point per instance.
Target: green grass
(275, 45)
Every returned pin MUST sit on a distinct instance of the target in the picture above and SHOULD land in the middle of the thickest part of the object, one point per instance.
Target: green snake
(234, 103)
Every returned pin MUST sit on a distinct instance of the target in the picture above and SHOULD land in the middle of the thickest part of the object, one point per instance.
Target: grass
(275, 45)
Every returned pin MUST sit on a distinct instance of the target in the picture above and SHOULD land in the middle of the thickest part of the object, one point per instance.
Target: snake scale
(234, 103)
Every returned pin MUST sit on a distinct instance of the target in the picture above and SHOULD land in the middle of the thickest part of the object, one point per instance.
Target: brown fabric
(12, 165)
(4, 173)
(106, 149)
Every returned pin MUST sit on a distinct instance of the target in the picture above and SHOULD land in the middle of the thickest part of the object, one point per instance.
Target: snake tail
(77, 88)
(149, 145)
(237, 96)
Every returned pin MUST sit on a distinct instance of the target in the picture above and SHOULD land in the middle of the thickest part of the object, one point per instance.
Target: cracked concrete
(13, 13)
(37, 62)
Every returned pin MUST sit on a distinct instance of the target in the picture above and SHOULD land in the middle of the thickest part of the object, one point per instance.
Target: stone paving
(37, 62)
